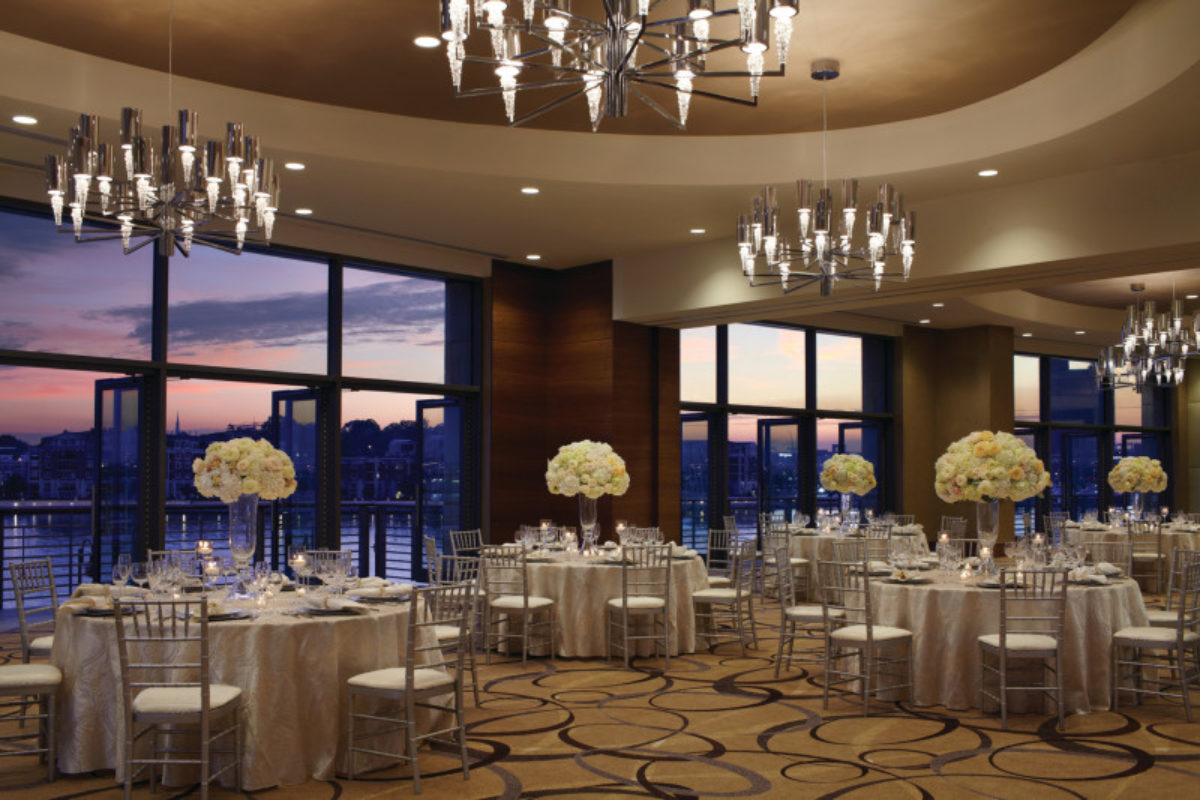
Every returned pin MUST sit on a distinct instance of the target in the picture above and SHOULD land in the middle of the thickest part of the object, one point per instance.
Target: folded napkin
(1105, 568)
(1086, 575)
(92, 590)
(903, 575)
(915, 527)
(334, 603)
(878, 566)
(1072, 523)
(215, 609)
(372, 581)
(87, 602)
(389, 590)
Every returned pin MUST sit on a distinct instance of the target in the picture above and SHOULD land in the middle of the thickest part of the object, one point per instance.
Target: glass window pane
(201, 412)
(1075, 472)
(694, 482)
(252, 311)
(839, 372)
(848, 436)
(766, 366)
(782, 466)
(1073, 393)
(394, 326)
(743, 470)
(1026, 387)
(59, 296)
(698, 365)
(1026, 510)
(47, 470)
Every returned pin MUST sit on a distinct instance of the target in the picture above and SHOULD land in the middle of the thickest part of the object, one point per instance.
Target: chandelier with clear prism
(623, 47)
(184, 192)
(824, 249)
(1153, 350)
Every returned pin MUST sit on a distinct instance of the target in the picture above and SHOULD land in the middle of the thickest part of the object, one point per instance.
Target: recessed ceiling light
(1191, 296)
(698, 230)
(530, 190)
(24, 119)
(427, 41)
(1080, 333)
(1027, 335)
(988, 173)
(924, 321)
(533, 257)
(304, 212)
(294, 165)
(939, 305)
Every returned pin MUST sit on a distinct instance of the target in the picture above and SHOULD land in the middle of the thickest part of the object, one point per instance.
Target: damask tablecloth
(292, 671)
(948, 615)
(580, 590)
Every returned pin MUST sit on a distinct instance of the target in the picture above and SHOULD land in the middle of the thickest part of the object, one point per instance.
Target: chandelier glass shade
(826, 246)
(621, 47)
(184, 192)
(1153, 350)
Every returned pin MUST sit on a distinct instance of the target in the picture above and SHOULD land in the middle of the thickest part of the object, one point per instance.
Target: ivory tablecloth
(948, 615)
(807, 543)
(580, 590)
(292, 672)
(1174, 537)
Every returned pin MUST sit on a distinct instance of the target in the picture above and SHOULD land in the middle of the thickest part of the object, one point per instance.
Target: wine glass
(120, 570)
(137, 573)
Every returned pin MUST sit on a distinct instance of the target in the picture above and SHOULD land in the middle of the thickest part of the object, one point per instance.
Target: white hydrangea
(986, 466)
(244, 466)
(588, 468)
(847, 472)
(1138, 474)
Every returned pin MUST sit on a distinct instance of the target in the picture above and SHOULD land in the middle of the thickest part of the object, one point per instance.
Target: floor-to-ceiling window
(1080, 431)
(763, 406)
(117, 371)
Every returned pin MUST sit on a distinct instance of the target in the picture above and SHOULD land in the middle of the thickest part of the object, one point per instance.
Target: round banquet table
(1175, 537)
(948, 615)
(815, 546)
(292, 671)
(580, 589)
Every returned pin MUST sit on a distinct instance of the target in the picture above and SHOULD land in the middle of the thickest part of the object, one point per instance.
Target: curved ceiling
(899, 60)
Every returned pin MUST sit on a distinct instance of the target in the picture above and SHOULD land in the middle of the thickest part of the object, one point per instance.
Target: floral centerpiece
(1137, 474)
(846, 472)
(244, 466)
(239, 472)
(590, 470)
(987, 467)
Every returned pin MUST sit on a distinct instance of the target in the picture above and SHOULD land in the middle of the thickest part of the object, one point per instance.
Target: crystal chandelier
(213, 193)
(821, 253)
(1153, 350)
(598, 58)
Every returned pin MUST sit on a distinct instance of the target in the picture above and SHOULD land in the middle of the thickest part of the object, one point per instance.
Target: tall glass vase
(1136, 503)
(243, 537)
(849, 514)
(587, 521)
(987, 526)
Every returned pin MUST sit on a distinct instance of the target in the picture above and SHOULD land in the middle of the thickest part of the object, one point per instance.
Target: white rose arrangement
(588, 468)
(1138, 474)
(244, 466)
(984, 466)
(846, 472)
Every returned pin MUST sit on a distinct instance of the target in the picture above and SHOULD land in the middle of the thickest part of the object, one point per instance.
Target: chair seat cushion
(1019, 641)
(1148, 556)
(1162, 618)
(515, 601)
(811, 613)
(715, 581)
(394, 679)
(1150, 636)
(716, 594)
(182, 699)
(639, 603)
(880, 633)
(446, 633)
(42, 644)
(28, 676)
(796, 561)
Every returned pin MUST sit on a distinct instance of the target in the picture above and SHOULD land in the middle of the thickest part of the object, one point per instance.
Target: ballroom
(624, 398)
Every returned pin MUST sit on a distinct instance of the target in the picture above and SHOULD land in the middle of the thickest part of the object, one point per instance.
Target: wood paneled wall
(952, 382)
(563, 370)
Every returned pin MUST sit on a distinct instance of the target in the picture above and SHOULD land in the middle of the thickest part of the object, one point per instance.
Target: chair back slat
(719, 557)
(846, 589)
(1118, 552)
(646, 571)
(36, 596)
(785, 578)
(436, 608)
(465, 543)
(955, 526)
(1033, 601)
(504, 571)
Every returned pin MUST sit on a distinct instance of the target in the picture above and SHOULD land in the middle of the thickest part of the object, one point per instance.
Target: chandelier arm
(537, 112)
(700, 92)
(490, 90)
(630, 49)
(491, 62)
(662, 112)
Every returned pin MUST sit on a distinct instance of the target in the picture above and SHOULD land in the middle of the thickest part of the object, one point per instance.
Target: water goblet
(137, 573)
(121, 570)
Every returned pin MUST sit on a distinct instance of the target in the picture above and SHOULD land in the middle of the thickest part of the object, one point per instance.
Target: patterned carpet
(719, 725)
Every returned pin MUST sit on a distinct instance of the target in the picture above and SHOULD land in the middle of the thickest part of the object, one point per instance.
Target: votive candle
(204, 547)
